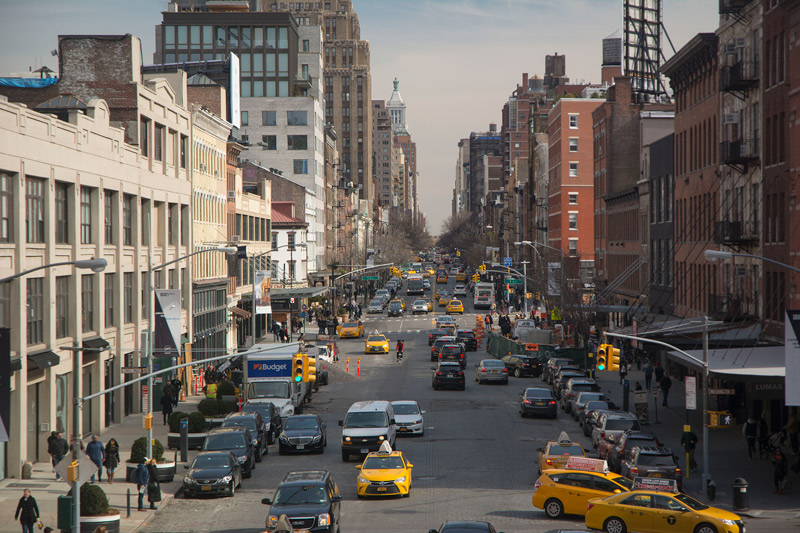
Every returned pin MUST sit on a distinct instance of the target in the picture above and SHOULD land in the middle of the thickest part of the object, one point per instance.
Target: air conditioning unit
(730, 48)
(730, 118)
(234, 238)
(231, 195)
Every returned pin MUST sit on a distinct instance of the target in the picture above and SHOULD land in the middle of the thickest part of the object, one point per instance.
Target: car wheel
(232, 490)
(345, 456)
(705, 527)
(553, 508)
(614, 525)
(517, 373)
(248, 474)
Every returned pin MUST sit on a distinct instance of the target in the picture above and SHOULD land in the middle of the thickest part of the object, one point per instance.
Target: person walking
(53, 436)
(112, 458)
(59, 449)
(97, 453)
(27, 511)
(276, 331)
(623, 371)
(781, 470)
(166, 405)
(658, 372)
(792, 429)
(666, 383)
(153, 485)
(142, 476)
(648, 374)
(689, 441)
(750, 432)
(177, 384)
(763, 438)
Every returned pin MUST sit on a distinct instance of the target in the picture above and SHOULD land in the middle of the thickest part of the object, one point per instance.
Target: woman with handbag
(153, 486)
(112, 458)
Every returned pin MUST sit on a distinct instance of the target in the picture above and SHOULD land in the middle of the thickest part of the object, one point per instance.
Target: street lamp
(561, 290)
(253, 316)
(95, 265)
(713, 255)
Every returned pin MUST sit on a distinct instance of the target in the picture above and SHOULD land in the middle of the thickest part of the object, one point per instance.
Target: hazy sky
(457, 60)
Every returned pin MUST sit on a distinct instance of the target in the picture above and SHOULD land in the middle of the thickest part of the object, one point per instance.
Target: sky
(457, 60)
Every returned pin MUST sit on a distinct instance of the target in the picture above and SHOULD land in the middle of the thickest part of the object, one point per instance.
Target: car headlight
(255, 442)
(728, 522)
(400, 480)
(226, 479)
(272, 520)
(347, 439)
(381, 438)
(418, 421)
(188, 480)
(316, 438)
(242, 459)
(362, 479)
(324, 519)
(283, 438)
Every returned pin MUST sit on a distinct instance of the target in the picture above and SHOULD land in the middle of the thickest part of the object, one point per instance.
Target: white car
(408, 418)
(460, 290)
(419, 306)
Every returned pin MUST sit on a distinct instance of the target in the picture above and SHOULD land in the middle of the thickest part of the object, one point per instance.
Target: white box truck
(268, 378)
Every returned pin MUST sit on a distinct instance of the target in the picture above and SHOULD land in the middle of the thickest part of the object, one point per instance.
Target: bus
(415, 285)
(484, 295)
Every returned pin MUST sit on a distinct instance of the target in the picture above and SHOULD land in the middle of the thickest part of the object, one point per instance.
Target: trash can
(64, 519)
(741, 501)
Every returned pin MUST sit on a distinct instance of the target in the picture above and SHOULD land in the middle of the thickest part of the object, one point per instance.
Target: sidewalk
(727, 451)
(46, 490)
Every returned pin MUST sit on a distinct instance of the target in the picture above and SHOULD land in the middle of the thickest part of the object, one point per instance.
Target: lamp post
(253, 316)
(151, 311)
(713, 255)
(525, 286)
(95, 265)
(561, 290)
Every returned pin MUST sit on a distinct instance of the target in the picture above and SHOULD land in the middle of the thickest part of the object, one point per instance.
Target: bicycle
(399, 356)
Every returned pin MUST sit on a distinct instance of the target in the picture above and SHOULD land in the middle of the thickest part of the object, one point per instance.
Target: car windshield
(466, 334)
(588, 396)
(268, 389)
(375, 303)
(625, 482)
(492, 363)
(638, 441)
(538, 393)
(450, 368)
(583, 386)
(382, 463)
(568, 449)
(371, 419)
(249, 423)
(405, 408)
(263, 409)
(656, 460)
(300, 495)
(376, 338)
(420, 302)
(395, 305)
(691, 502)
(621, 424)
(300, 423)
(450, 350)
(228, 441)
(211, 461)
(350, 325)
(592, 405)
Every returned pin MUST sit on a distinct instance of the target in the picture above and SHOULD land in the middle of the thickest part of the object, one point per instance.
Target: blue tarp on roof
(28, 83)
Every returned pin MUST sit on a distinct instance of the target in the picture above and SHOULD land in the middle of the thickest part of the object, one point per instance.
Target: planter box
(166, 471)
(195, 440)
(214, 422)
(90, 523)
(230, 398)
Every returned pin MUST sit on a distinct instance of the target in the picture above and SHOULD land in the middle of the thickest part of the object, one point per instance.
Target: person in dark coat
(27, 511)
(59, 448)
(750, 432)
(166, 405)
(659, 372)
(153, 486)
(142, 476)
(666, 383)
(176, 386)
(648, 374)
(53, 436)
(112, 458)
(97, 453)
(781, 470)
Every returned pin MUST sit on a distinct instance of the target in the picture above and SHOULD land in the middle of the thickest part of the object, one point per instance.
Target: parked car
(651, 461)
(491, 370)
(537, 401)
(302, 433)
(448, 374)
(310, 500)
(271, 416)
(612, 425)
(582, 399)
(563, 377)
(522, 365)
(553, 364)
(623, 446)
(236, 440)
(574, 387)
(212, 473)
(593, 417)
(258, 430)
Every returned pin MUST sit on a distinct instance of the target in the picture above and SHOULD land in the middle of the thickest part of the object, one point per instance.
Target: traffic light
(72, 472)
(602, 352)
(310, 369)
(458, 253)
(476, 278)
(298, 366)
(148, 421)
(613, 358)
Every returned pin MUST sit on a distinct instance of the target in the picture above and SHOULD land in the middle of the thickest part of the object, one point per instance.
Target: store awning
(754, 361)
(96, 344)
(238, 311)
(301, 292)
(44, 359)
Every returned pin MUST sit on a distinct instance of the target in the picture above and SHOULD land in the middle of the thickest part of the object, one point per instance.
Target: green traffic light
(298, 378)
(601, 367)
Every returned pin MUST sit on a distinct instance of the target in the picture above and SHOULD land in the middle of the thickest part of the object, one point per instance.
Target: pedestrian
(141, 476)
(792, 429)
(322, 325)
(153, 486)
(59, 449)
(689, 441)
(638, 386)
(666, 383)
(177, 385)
(648, 374)
(276, 331)
(112, 458)
(623, 370)
(659, 372)
(781, 470)
(763, 438)
(53, 436)
(27, 511)
(97, 453)
(166, 405)
(211, 391)
(333, 325)
(750, 432)
(284, 334)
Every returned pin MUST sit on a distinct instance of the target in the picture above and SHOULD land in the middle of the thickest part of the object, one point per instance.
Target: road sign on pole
(369, 278)
(513, 281)
(507, 261)
(690, 384)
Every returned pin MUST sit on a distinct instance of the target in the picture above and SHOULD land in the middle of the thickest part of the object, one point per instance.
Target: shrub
(226, 388)
(212, 408)
(175, 420)
(93, 500)
(197, 423)
(139, 449)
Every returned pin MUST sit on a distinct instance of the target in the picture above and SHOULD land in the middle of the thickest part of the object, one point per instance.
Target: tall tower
(397, 110)
(612, 58)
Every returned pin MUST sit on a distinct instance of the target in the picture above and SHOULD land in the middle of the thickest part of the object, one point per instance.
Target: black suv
(258, 430)
(650, 461)
(522, 365)
(310, 499)
(453, 352)
(238, 441)
(467, 338)
(435, 334)
(271, 416)
(395, 309)
(448, 374)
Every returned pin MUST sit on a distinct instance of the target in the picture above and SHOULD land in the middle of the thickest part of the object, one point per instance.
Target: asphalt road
(476, 461)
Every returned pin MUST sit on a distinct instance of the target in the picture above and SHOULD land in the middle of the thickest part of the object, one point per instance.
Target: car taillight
(537, 485)
(505, 371)
(634, 470)
(589, 506)
(552, 402)
(550, 462)
(461, 373)
(528, 401)
(677, 470)
(484, 370)
(440, 373)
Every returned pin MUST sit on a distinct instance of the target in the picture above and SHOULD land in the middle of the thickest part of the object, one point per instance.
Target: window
(5, 305)
(87, 305)
(62, 309)
(269, 118)
(301, 166)
(34, 197)
(108, 219)
(638, 500)
(573, 220)
(573, 198)
(185, 286)
(158, 143)
(274, 239)
(245, 118)
(144, 295)
(573, 121)
(573, 144)
(6, 207)
(269, 142)
(605, 485)
(291, 269)
(110, 301)
(86, 215)
(172, 223)
(127, 219)
(306, 45)
(573, 169)
(62, 213)
(145, 215)
(184, 149)
(290, 240)
(127, 292)
(297, 142)
(297, 118)
(35, 321)
(573, 247)
(144, 136)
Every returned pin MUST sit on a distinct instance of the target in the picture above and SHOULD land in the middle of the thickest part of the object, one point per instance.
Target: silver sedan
(491, 370)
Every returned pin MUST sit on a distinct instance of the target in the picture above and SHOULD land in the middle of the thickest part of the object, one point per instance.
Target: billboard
(792, 354)
(261, 290)
(236, 108)
(168, 322)
(269, 368)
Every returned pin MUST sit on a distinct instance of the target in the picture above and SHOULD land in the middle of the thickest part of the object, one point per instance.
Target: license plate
(495, 371)
(655, 474)
(540, 403)
(381, 489)
(401, 430)
(364, 450)
(301, 446)
(206, 488)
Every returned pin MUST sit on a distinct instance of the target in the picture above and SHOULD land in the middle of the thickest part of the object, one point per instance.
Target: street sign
(134, 369)
(507, 262)
(513, 281)
(369, 278)
(690, 384)
(722, 392)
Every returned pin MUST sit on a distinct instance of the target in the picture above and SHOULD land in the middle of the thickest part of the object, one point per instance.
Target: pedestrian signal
(310, 369)
(602, 352)
(298, 366)
(613, 359)
(148, 421)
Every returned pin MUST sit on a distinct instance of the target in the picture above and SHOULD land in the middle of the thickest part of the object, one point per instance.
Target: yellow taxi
(461, 276)
(426, 273)
(556, 453)
(349, 330)
(441, 278)
(428, 301)
(444, 298)
(658, 509)
(455, 306)
(376, 343)
(401, 301)
(568, 491)
(384, 473)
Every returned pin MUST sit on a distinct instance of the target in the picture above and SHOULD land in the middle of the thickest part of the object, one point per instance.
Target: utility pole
(706, 455)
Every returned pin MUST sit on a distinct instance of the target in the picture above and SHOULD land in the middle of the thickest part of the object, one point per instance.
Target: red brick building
(793, 134)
